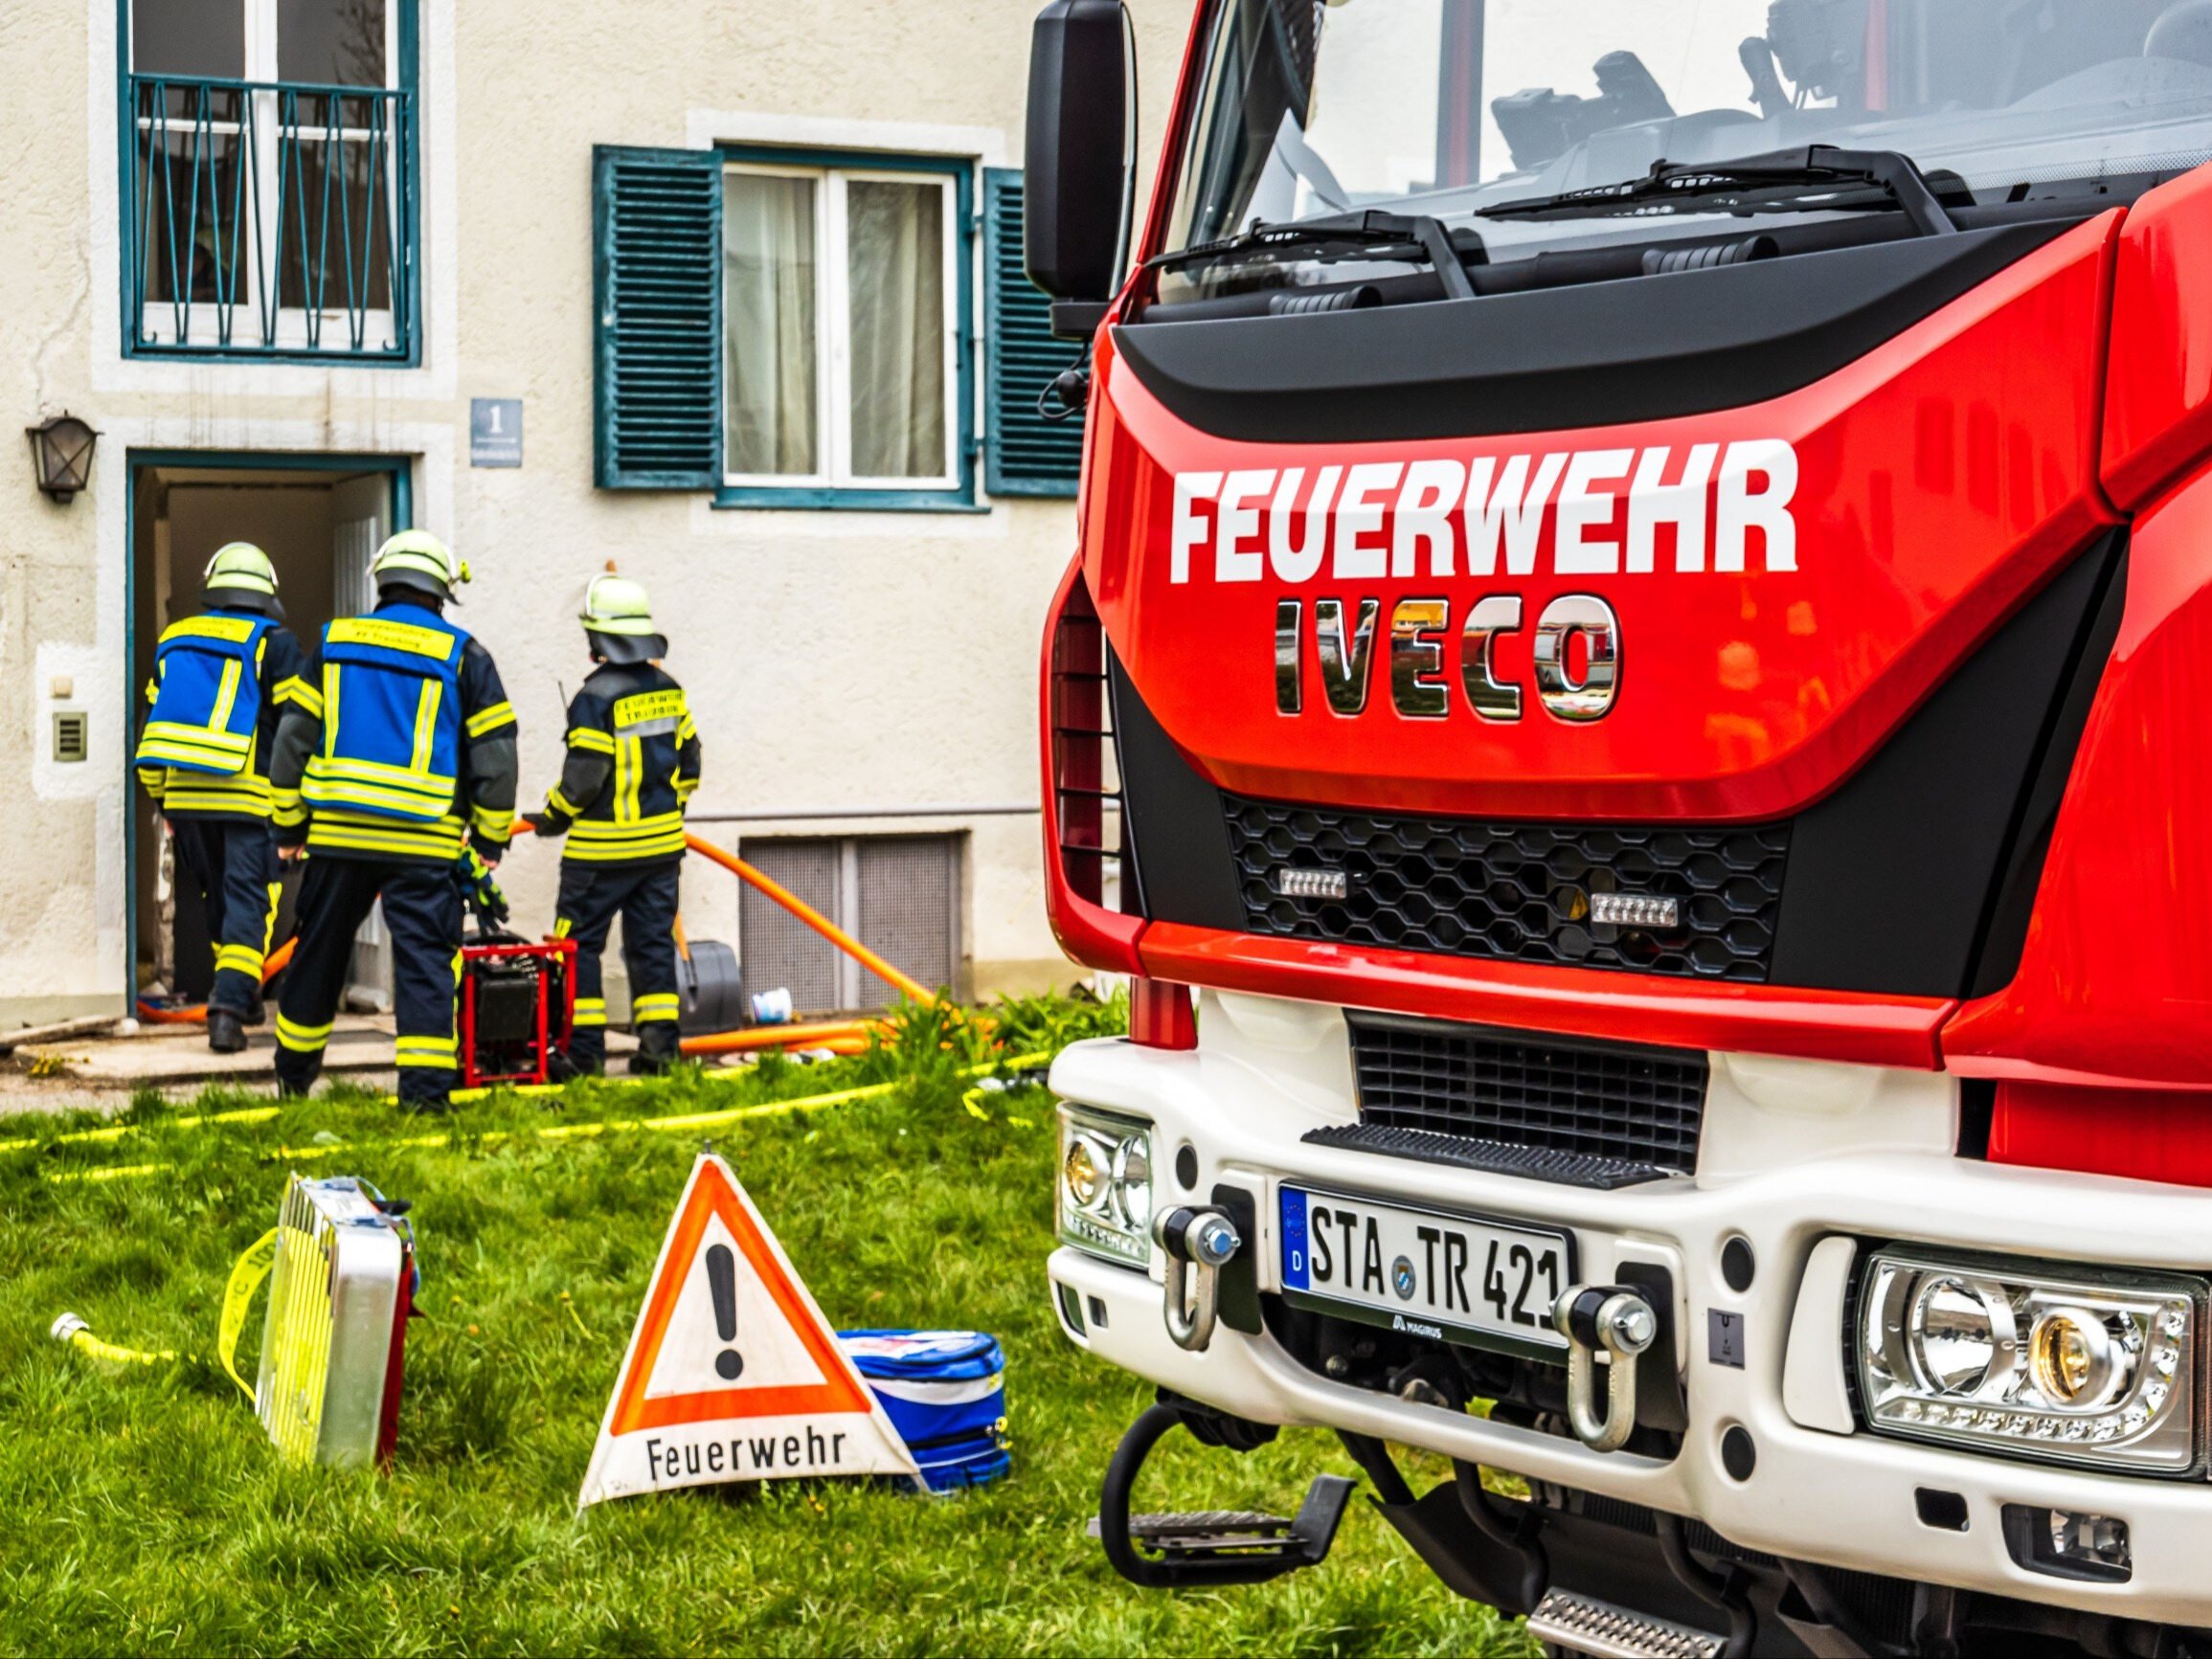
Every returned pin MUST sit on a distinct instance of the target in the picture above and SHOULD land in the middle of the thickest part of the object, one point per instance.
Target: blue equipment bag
(944, 1391)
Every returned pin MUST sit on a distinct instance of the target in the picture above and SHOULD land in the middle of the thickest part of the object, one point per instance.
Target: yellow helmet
(240, 564)
(618, 617)
(418, 559)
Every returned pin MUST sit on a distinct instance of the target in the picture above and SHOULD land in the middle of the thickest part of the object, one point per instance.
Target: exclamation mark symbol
(722, 1281)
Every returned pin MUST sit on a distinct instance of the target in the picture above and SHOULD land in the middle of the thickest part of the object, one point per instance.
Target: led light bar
(1298, 883)
(2047, 1363)
(1635, 910)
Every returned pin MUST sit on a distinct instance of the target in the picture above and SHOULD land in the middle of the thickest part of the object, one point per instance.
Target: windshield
(1445, 107)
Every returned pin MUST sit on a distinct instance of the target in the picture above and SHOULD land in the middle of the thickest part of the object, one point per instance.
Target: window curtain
(768, 243)
(896, 252)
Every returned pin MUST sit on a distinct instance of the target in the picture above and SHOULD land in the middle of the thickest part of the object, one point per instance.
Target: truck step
(1213, 1547)
(1586, 1625)
(1209, 1531)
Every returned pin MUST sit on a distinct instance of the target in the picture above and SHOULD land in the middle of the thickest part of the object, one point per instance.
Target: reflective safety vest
(207, 697)
(392, 724)
(640, 813)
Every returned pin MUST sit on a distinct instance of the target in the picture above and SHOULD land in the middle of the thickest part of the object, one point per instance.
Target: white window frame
(833, 330)
(205, 328)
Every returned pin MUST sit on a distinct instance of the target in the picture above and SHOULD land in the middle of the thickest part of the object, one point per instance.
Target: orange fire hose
(907, 985)
(828, 1033)
(196, 1013)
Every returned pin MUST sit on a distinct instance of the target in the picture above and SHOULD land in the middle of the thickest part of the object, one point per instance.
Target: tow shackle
(1199, 1242)
(1620, 1320)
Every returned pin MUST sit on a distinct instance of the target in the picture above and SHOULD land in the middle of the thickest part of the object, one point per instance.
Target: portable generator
(518, 1005)
(334, 1341)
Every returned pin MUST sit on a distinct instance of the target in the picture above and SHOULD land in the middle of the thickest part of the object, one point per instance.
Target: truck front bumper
(1836, 1495)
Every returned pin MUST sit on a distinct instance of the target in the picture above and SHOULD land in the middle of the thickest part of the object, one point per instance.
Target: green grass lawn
(145, 1512)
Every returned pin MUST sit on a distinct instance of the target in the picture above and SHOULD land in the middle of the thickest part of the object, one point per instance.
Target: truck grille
(1514, 892)
(1605, 1100)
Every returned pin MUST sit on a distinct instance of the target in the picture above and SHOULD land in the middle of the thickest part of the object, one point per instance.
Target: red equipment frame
(562, 950)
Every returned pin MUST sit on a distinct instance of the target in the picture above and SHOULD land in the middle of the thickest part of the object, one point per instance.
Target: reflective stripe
(425, 725)
(196, 746)
(238, 958)
(329, 706)
(302, 1039)
(490, 719)
(591, 1011)
(591, 738)
(300, 695)
(649, 707)
(561, 802)
(648, 847)
(561, 927)
(340, 831)
(390, 636)
(427, 1051)
(237, 629)
(654, 1007)
(388, 790)
(269, 924)
(189, 793)
(591, 829)
(227, 694)
(686, 729)
(491, 823)
(595, 840)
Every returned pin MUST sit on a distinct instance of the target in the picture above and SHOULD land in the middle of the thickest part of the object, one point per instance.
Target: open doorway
(319, 518)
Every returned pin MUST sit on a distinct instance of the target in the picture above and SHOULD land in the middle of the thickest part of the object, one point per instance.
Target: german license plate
(1456, 1278)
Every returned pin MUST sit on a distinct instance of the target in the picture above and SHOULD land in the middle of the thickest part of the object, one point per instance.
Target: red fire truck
(1624, 701)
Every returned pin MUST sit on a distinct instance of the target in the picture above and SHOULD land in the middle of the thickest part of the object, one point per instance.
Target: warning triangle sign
(732, 1373)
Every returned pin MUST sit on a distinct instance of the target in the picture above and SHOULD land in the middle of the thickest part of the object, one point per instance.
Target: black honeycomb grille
(1515, 892)
(1605, 1100)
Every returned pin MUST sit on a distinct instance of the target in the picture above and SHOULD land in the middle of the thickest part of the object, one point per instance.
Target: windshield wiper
(1817, 167)
(1371, 232)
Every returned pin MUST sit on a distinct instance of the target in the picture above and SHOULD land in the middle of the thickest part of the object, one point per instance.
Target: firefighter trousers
(232, 863)
(644, 896)
(422, 913)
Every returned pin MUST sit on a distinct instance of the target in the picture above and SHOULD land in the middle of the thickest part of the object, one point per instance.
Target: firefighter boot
(656, 1051)
(226, 1034)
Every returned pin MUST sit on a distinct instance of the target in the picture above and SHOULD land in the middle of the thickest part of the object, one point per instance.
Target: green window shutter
(1025, 454)
(657, 318)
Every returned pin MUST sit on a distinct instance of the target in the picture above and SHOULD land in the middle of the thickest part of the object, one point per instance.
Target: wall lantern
(61, 455)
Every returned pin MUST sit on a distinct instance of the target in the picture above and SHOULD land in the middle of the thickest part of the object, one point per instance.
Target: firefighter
(395, 758)
(216, 698)
(632, 762)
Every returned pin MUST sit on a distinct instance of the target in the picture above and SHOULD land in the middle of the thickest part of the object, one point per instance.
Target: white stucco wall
(839, 661)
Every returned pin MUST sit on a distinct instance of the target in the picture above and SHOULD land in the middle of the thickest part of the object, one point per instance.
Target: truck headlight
(1105, 1196)
(2007, 1358)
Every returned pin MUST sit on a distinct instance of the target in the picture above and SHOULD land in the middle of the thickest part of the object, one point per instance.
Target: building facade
(727, 294)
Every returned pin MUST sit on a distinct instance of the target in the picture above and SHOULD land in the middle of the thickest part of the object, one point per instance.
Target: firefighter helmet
(242, 567)
(617, 620)
(418, 559)
(240, 577)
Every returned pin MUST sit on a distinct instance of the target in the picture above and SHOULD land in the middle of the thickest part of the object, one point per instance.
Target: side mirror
(1077, 189)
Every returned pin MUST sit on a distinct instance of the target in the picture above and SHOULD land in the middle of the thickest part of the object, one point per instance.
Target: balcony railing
(269, 220)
